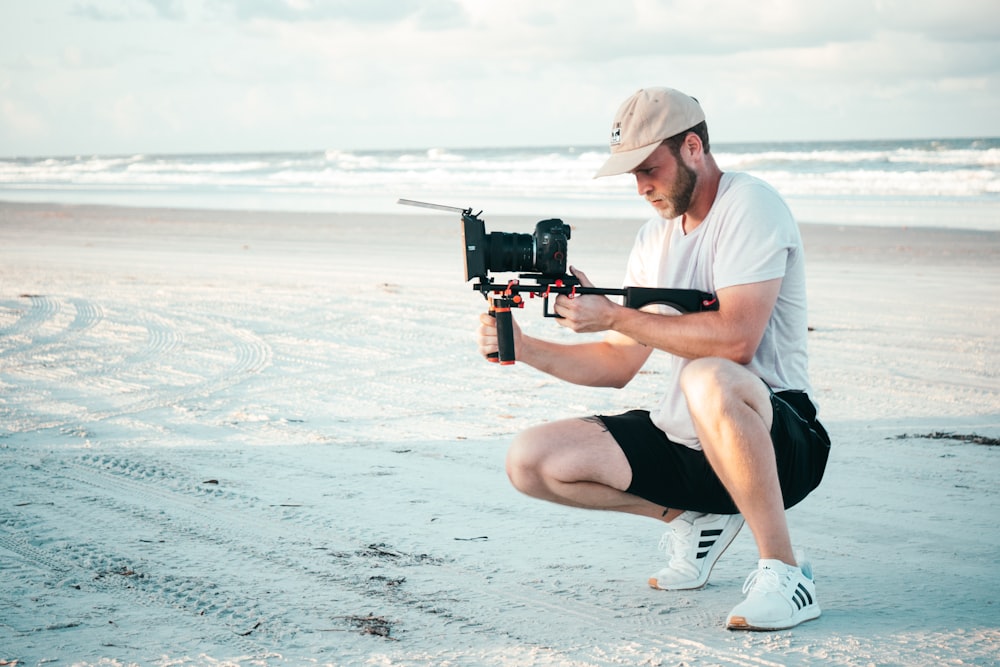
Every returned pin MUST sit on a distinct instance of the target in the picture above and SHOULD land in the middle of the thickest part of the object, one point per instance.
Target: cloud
(168, 9)
(20, 120)
(150, 75)
(92, 12)
(954, 20)
(429, 14)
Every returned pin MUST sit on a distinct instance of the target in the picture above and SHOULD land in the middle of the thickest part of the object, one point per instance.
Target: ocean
(951, 183)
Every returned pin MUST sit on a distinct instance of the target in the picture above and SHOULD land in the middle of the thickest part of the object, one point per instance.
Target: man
(736, 435)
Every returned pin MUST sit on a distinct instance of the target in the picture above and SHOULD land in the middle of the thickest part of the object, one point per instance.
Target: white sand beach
(267, 439)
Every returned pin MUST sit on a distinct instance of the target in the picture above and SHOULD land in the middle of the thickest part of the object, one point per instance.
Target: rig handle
(500, 310)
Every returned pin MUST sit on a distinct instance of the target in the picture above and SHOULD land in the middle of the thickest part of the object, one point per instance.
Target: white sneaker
(693, 543)
(779, 596)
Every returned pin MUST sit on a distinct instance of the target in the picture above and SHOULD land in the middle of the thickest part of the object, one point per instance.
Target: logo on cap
(616, 134)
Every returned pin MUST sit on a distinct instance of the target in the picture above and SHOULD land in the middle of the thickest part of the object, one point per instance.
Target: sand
(263, 439)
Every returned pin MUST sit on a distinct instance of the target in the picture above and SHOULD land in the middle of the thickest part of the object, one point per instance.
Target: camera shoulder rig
(540, 263)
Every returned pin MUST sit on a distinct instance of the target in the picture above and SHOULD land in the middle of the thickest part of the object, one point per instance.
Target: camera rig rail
(539, 260)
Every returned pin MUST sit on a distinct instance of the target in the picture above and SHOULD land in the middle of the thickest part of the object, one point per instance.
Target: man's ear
(692, 145)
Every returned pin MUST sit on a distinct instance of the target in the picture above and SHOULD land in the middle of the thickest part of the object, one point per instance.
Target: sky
(111, 77)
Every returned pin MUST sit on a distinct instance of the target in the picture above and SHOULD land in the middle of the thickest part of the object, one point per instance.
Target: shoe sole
(741, 623)
(714, 554)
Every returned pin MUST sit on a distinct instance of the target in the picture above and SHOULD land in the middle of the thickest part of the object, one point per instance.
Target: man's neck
(704, 196)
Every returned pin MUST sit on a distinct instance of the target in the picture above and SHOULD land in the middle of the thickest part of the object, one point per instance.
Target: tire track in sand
(327, 566)
(42, 309)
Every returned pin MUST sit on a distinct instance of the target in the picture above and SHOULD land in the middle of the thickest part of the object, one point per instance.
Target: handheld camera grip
(500, 310)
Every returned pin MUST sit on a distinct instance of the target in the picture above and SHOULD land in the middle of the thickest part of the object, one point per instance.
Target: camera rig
(539, 259)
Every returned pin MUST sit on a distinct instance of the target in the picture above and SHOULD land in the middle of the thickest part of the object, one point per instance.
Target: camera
(542, 258)
(543, 252)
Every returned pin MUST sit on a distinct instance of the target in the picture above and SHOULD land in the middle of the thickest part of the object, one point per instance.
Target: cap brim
(625, 161)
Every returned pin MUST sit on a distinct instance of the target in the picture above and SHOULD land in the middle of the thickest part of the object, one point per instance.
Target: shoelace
(676, 540)
(763, 580)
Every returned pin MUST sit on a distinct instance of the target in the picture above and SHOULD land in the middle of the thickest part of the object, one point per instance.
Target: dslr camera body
(542, 253)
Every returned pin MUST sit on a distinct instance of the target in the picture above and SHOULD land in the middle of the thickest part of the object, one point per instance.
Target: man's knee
(566, 451)
(705, 382)
(523, 460)
(713, 385)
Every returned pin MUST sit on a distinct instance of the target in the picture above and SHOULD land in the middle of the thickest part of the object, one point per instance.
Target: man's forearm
(596, 364)
(692, 336)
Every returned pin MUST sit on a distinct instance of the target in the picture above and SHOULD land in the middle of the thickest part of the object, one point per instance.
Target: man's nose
(642, 184)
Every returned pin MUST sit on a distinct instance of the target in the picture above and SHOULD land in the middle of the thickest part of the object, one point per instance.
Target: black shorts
(676, 476)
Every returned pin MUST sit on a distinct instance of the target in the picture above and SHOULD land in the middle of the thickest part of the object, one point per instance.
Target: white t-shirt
(748, 236)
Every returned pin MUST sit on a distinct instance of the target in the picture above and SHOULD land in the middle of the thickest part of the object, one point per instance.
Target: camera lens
(511, 252)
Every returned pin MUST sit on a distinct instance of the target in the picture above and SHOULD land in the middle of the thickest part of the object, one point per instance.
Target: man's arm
(732, 332)
(612, 362)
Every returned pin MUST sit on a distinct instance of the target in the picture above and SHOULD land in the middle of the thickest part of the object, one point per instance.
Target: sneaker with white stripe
(693, 543)
(779, 596)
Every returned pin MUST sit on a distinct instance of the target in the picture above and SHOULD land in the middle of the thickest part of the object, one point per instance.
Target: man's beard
(677, 200)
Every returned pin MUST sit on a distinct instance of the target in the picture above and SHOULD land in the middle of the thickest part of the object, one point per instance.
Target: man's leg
(579, 463)
(731, 410)
(732, 413)
(576, 462)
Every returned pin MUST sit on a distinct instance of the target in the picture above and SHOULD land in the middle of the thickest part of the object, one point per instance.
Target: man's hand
(486, 335)
(585, 313)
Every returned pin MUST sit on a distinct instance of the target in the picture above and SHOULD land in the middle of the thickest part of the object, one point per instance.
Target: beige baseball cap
(642, 123)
